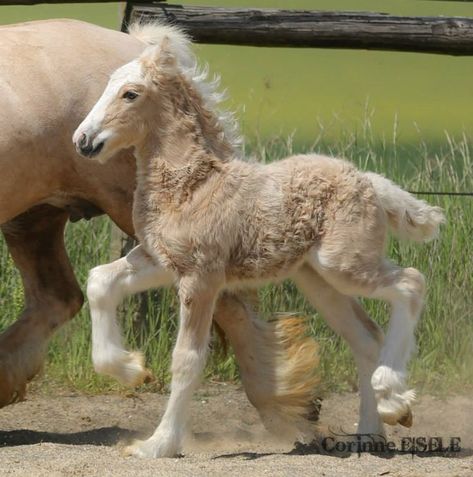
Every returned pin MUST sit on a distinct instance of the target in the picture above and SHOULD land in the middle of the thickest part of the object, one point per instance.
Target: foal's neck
(187, 146)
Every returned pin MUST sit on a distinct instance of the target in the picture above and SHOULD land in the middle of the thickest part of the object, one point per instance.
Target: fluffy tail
(285, 396)
(278, 362)
(408, 217)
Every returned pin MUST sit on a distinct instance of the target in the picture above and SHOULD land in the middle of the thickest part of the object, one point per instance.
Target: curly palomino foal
(216, 222)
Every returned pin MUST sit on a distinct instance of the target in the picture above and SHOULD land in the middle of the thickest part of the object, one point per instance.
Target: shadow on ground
(315, 448)
(104, 436)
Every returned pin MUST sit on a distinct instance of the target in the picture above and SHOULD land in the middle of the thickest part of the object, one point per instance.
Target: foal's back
(263, 219)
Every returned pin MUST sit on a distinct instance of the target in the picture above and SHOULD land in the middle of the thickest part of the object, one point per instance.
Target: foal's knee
(100, 285)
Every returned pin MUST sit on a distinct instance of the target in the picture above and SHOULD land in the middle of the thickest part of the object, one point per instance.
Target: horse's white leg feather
(107, 286)
(197, 297)
(346, 317)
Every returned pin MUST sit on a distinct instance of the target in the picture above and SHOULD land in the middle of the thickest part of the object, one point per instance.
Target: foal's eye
(130, 95)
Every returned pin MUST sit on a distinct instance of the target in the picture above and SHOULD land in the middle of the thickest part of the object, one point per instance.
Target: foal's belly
(269, 259)
(254, 278)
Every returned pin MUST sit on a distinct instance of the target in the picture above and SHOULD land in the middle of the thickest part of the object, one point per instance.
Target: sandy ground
(78, 435)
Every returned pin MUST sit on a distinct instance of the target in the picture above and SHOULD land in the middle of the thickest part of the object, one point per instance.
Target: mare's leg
(197, 296)
(348, 319)
(52, 295)
(278, 365)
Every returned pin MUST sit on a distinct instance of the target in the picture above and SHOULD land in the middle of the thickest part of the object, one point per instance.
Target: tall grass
(445, 333)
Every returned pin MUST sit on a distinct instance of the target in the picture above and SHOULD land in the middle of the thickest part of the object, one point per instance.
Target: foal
(216, 222)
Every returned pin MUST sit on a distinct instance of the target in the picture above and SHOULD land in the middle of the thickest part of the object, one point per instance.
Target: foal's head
(132, 103)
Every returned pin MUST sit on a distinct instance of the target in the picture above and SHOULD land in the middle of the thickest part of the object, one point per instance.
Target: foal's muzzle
(85, 146)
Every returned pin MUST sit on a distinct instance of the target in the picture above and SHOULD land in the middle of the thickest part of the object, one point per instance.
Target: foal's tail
(408, 217)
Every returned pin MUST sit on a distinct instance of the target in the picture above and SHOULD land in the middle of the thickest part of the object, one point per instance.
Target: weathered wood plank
(38, 2)
(298, 28)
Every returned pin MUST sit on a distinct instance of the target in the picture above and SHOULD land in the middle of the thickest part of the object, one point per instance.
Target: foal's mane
(197, 75)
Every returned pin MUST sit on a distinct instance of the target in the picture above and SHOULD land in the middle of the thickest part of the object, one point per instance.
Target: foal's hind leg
(404, 290)
(348, 319)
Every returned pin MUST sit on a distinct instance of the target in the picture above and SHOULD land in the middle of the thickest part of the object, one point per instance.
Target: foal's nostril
(87, 145)
(83, 140)
(84, 144)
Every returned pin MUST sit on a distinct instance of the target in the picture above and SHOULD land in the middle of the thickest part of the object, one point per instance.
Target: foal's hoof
(393, 419)
(406, 420)
(396, 411)
(135, 450)
(396, 408)
(128, 368)
(153, 447)
(134, 372)
(394, 401)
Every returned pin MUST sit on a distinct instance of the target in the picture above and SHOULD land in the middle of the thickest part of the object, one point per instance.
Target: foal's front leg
(197, 296)
(107, 286)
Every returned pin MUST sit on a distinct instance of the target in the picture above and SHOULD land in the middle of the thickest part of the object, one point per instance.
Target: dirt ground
(77, 435)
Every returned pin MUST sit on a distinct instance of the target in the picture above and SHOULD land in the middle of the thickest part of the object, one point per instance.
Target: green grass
(445, 333)
(316, 99)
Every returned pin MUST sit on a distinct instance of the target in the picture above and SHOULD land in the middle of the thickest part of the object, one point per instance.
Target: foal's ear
(161, 57)
(166, 56)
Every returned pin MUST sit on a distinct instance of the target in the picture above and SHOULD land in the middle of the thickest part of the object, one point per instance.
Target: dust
(82, 435)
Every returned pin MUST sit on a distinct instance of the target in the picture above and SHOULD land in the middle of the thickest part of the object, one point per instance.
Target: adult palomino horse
(51, 73)
(216, 222)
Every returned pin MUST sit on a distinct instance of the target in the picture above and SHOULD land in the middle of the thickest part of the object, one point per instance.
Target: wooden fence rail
(299, 28)
(39, 2)
(304, 28)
